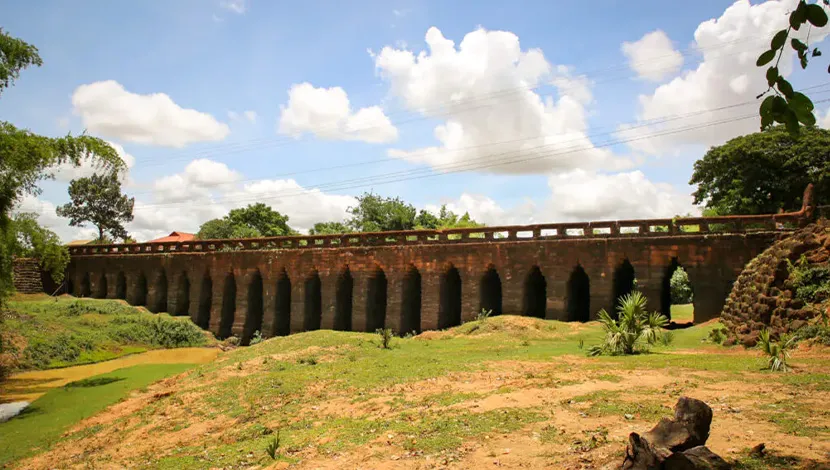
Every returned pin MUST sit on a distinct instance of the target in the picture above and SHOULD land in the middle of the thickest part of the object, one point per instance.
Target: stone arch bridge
(422, 280)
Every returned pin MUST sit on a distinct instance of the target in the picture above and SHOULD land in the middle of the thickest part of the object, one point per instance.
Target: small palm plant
(777, 352)
(634, 327)
(386, 335)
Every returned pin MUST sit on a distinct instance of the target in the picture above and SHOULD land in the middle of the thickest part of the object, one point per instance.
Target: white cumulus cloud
(726, 76)
(107, 109)
(484, 90)
(653, 56)
(327, 113)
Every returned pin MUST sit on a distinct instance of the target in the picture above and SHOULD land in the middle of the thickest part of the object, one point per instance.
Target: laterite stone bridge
(423, 280)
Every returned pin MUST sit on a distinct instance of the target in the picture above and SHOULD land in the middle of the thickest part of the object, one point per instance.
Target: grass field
(509, 391)
(50, 332)
(683, 313)
(44, 422)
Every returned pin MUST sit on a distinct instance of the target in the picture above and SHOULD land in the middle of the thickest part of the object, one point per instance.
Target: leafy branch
(785, 105)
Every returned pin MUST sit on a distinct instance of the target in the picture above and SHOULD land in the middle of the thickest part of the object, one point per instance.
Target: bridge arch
(228, 312)
(623, 282)
(535, 294)
(344, 293)
(490, 296)
(205, 302)
(449, 303)
(376, 296)
(140, 295)
(281, 325)
(579, 295)
(182, 295)
(86, 289)
(313, 305)
(121, 286)
(411, 301)
(159, 293)
(665, 287)
(253, 317)
(101, 288)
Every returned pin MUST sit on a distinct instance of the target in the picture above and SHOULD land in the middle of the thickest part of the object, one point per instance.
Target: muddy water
(28, 386)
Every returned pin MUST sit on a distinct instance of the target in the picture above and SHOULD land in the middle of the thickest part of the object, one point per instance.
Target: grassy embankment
(48, 332)
(464, 396)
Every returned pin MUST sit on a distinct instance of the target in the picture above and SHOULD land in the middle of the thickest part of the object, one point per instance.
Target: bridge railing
(512, 233)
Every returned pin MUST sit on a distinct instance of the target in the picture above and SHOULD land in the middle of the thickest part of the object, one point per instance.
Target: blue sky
(224, 58)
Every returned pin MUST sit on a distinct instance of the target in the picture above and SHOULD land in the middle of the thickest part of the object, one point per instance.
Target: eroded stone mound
(764, 295)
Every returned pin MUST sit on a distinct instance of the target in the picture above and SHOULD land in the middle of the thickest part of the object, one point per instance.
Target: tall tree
(98, 200)
(329, 228)
(256, 220)
(25, 157)
(374, 213)
(764, 172)
(31, 240)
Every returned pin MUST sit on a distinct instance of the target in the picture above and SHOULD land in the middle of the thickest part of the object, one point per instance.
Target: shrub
(273, 446)
(777, 352)
(667, 338)
(385, 337)
(484, 314)
(635, 327)
(718, 335)
(681, 288)
(811, 283)
(159, 330)
(256, 338)
(816, 333)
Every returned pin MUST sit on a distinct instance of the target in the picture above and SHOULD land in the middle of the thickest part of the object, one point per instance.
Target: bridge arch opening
(535, 294)
(69, 286)
(411, 301)
(86, 290)
(623, 282)
(160, 293)
(282, 306)
(253, 319)
(490, 291)
(205, 301)
(313, 314)
(121, 286)
(344, 292)
(182, 295)
(449, 303)
(140, 297)
(228, 315)
(684, 290)
(579, 295)
(376, 290)
(101, 288)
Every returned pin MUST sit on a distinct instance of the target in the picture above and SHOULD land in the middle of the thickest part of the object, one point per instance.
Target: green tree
(764, 172)
(329, 228)
(375, 213)
(681, 288)
(25, 157)
(445, 219)
(31, 240)
(98, 200)
(784, 105)
(256, 220)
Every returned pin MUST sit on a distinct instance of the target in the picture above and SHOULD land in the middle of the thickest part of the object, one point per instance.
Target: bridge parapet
(509, 233)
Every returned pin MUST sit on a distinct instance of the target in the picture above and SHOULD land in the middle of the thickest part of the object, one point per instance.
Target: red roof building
(175, 237)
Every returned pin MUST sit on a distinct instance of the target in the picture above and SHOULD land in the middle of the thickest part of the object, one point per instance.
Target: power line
(638, 125)
(429, 113)
(462, 167)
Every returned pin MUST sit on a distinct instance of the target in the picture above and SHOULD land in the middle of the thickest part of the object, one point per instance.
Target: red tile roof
(175, 237)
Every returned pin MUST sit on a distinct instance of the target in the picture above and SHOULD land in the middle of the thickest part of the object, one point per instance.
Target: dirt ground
(582, 426)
